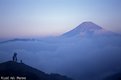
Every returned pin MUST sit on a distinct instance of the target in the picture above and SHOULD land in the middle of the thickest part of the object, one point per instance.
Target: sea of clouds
(82, 58)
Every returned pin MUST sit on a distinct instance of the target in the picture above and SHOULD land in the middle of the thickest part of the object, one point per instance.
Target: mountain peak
(84, 28)
(89, 25)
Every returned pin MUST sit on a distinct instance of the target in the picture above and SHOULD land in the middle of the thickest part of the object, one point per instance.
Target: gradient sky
(34, 18)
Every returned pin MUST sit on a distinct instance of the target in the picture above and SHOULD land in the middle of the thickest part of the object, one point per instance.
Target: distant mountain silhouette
(15, 69)
(17, 39)
(87, 29)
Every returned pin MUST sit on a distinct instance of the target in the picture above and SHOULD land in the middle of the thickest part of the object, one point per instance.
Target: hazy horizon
(41, 18)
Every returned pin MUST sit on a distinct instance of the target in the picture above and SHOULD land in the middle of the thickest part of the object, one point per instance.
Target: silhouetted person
(21, 61)
(15, 57)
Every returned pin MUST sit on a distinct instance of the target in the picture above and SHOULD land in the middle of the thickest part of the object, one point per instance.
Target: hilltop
(24, 72)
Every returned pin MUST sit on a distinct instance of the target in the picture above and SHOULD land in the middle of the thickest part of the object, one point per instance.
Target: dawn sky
(35, 18)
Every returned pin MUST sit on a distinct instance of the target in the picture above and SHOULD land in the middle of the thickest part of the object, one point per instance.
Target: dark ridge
(14, 40)
(15, 69)
(116, 76)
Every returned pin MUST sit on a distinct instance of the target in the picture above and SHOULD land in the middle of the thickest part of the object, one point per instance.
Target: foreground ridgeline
(12, 70)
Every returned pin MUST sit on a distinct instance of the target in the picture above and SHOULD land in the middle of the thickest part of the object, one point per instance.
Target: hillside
(24, 72)
(116, 76)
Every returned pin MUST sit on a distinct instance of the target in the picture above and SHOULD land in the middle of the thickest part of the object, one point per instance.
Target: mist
(76, 57)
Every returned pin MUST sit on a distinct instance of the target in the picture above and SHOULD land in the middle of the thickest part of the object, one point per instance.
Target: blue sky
(35, 18)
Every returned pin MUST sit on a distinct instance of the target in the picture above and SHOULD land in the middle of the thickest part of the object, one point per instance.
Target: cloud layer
(76, 56)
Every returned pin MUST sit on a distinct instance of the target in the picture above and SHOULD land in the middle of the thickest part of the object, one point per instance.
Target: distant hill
(17, 39)
(21, 70)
